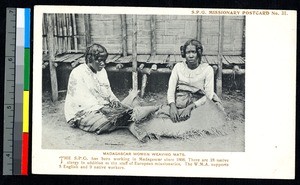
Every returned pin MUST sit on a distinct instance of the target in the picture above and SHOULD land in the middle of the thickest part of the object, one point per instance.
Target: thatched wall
(143, 34)
(171, 31)
(234, 33)
(106, 29)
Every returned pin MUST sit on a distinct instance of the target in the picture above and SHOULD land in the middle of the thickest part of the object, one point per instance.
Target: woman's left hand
(115, 104)
(186, 113)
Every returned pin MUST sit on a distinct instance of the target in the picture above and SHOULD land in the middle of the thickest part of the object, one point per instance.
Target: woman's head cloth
(94, 52)
(199, 47)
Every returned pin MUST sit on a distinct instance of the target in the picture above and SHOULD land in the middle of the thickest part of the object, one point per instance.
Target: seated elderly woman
(193, 107)
(90, 103)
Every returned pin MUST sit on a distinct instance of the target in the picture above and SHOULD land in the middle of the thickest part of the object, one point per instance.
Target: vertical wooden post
(199, 27)
(65, 37)
(55, 34)
(69, 31)
(45, 48)
(124, 34)
(144, 84)
(153, 35)
(244, 36)
(220, 52)
(134, 53)
(59, 32)
(87, 29)
(50, 44)
(74, 33)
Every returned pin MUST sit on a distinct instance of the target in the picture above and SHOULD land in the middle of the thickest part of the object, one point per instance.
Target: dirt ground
(56, 134)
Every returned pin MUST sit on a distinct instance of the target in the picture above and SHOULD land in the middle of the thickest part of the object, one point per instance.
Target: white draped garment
(87, 91)
(201, 78)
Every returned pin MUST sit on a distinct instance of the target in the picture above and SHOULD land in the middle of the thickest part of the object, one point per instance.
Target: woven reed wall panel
(233, 35)
(106, 30)
(80, 31)
(171, 32)
(143, 34)
(174, 31)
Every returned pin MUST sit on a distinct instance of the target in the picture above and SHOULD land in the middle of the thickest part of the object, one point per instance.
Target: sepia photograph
(143, 82)
(176, 92)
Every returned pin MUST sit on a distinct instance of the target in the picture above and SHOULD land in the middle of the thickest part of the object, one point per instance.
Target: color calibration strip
(16, 129)
(25, 136)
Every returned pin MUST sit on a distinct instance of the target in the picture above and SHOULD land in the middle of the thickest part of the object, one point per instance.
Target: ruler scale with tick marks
(16, 94)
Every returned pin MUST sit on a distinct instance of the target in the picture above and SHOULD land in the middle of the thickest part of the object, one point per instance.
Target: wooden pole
(74, 33)
(199, 27)
(124, 34)
(69, 31)
(220, 52)
(59, 32)
(153, 35)
(244, 37)
(141, 66)
(119, 66)
(154, 67)
(50, 44)
(232, 71)
(65, 37)
(55, 34)
(45, 49)
(144, 84)
(215, 68)
(134, 54)
(149, 71)
(87, 29)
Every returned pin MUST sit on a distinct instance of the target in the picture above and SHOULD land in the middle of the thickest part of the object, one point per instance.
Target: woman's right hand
(174, 112)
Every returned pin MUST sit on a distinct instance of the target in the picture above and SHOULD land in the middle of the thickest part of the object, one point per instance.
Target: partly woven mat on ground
(207, 119)
(106, 119)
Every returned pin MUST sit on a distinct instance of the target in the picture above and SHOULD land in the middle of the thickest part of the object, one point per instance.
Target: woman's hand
(186, 113)
(115, 104)
(174, 112)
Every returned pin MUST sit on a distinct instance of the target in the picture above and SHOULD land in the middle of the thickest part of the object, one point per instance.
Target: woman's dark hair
(199, 47)
(94, 52)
